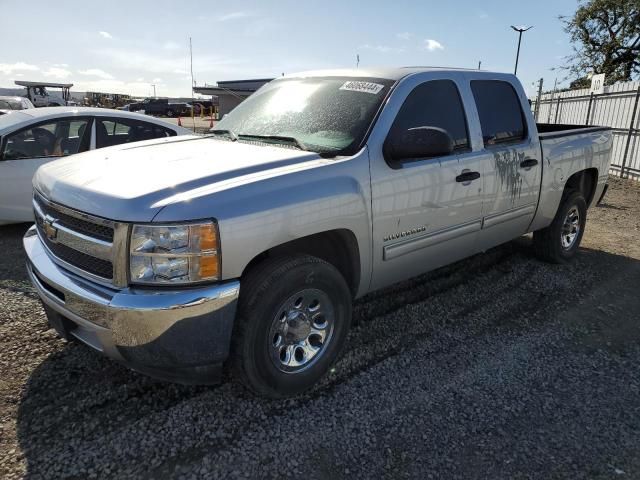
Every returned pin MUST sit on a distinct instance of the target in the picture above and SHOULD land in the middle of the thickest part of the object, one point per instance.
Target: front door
(24, 151)
(427, 212)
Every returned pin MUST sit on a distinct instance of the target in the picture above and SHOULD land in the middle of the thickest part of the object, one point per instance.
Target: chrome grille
(95, 266)
(79, 225)
(87, 245)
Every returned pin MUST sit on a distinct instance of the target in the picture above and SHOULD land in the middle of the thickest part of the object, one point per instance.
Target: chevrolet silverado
(246, 247)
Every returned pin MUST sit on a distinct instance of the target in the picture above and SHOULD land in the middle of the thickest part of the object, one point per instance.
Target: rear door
(24, 150)
(424, 214)
(513, 163)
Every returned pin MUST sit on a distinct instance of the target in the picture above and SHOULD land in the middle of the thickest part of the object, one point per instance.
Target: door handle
(467, 176)
(528, 163)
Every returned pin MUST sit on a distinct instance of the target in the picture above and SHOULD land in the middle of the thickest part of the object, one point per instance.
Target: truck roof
(390, 73)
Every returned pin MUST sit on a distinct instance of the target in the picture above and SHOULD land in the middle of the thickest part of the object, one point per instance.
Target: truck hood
(134, 182)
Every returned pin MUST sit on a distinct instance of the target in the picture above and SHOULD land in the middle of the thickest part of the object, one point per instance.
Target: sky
(125, 47)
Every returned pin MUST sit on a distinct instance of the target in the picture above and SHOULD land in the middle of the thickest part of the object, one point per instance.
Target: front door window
(55, 139)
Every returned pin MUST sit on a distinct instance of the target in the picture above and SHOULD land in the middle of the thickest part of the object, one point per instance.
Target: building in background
(231, 93)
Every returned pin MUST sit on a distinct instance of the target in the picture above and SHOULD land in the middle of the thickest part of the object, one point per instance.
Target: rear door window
(501, 117)
(110, 132)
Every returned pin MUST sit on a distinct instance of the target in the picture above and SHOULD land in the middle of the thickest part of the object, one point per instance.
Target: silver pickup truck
(247, 246)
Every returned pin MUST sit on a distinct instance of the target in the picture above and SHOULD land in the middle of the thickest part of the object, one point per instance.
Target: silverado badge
(405, 233)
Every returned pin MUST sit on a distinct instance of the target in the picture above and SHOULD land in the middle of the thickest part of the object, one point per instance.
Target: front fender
(258, 216)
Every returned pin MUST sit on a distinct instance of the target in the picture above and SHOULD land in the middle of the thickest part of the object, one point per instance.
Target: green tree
(606, 39)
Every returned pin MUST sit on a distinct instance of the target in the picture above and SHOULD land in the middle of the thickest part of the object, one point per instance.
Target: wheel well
(337, 247)
(584, 181)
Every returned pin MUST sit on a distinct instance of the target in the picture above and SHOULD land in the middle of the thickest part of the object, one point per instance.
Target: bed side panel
(564, 155)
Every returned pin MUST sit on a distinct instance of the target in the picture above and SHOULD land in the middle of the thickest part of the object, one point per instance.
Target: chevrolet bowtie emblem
(49, 230)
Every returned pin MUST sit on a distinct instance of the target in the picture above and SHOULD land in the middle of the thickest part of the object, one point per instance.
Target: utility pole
(479, 64)
(193, 83)
(357, 60)
(538, 100)
(520, 31)
(191, 60)
(553, 92)
(154, 90)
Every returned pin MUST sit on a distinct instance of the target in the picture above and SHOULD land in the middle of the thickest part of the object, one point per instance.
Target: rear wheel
(293, 319)
(170, 113)
(559, 242)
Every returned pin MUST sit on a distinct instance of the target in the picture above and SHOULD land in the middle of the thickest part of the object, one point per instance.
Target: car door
(26, 149)
(513, 169)
(426, 211)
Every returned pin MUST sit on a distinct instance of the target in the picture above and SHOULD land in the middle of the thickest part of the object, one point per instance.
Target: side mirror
(418, 142)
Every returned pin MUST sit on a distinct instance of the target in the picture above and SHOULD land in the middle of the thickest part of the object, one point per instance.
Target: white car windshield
(328, 115)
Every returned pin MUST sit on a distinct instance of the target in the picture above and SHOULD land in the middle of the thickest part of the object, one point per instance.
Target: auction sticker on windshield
(367, 87)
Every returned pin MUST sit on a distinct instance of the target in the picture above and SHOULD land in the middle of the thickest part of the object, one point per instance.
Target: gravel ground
(499, 366)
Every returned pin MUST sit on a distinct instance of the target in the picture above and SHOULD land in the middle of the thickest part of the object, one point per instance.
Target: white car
(30, 138)
(8, 104)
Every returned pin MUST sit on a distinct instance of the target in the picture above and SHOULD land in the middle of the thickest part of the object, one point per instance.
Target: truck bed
(567, 149)
(554, 130)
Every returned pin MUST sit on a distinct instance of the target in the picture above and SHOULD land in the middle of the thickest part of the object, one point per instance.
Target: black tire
(548, 242)
(263, 294)
(170, 113)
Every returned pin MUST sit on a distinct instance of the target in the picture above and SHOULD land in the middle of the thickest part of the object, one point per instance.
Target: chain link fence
(617, 107)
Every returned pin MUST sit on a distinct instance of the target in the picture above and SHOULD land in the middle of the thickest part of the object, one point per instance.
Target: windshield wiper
(278, 138)
(230, 133)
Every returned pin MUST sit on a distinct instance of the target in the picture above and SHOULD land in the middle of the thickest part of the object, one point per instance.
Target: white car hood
(134, 182)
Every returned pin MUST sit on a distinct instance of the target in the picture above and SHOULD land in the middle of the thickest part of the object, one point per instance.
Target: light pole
(154, 90)
(520, 30)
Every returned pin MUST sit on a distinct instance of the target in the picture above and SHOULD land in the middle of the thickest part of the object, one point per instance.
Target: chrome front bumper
(181, 335)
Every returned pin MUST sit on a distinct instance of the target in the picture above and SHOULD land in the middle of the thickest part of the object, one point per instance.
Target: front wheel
(293, 318)
(559, 242)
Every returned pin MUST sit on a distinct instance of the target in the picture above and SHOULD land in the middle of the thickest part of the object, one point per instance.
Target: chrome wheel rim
(301, 330)
(570, 228)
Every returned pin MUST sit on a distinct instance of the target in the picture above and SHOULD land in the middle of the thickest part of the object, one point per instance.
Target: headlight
(175, 254)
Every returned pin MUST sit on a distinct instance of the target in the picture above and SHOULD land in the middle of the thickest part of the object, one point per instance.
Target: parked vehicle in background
(250, 244)
(203, 105)
(31, 138)
(161, 107)
(8, 104)
(105, 100)
(39, 95)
